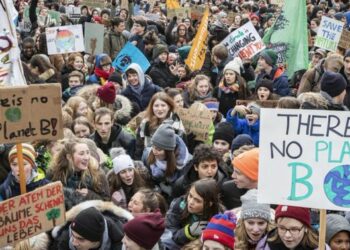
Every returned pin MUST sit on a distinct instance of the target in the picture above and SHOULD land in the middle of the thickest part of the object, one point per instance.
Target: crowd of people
(134, 178)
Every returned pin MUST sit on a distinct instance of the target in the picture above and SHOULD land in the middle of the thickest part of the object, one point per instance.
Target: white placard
(329, 33)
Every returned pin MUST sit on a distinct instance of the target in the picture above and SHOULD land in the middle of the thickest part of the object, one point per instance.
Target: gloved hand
(196, 228)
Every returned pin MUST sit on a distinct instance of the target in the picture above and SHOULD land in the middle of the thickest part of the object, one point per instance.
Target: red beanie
(301, 214)
(248, 163)
(107, 93)
(145, 230)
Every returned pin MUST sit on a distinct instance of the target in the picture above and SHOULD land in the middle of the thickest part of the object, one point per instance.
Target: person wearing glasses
(293, 230)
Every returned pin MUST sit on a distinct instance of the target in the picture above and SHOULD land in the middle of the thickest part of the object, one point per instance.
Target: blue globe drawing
(336, 186)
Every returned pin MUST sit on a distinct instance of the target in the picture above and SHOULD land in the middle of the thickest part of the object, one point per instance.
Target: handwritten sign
(30, 113)
(344, 41)
(309, 152)
(244, 42)
(32, 213)
(93, 38)
(180, 13)
(329, 33)
(65, 39)
(197, 119)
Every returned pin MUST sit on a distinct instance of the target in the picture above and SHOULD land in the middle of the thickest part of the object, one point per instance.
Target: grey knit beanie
(164, 137)
(335, 224)
(252, 209)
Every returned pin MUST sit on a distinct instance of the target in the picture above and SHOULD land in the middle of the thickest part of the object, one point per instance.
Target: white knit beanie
(236, 64)
(122, 162)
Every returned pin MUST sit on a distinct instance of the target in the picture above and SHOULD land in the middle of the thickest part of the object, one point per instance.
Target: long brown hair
(170, 159)
(115, 182)
(152, 200)
(71, 59)
(192, 88)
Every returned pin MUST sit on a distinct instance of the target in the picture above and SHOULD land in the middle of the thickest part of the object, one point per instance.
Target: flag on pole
(196, 56)
(288, 36)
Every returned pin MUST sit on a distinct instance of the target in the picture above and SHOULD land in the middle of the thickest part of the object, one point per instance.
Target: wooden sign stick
(322, 230)
(22, 175)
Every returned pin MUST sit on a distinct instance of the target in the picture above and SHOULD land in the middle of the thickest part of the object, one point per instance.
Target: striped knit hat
(29, 154)
(221, 229)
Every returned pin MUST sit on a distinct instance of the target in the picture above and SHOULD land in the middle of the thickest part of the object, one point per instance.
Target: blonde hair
(315, 99)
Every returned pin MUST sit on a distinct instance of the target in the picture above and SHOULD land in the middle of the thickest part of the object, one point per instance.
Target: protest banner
(344, 41)
(309, 152)
(55, 15)
(195, 58)
(197, 119)
(65, 39)
(197, 12)
(11, 71)
(180, 13)
(128, 55)
(244, 42)
(30, 113)
(93, 38)
(172, 4)
(29, 214)
(329, 33)
(288, 37)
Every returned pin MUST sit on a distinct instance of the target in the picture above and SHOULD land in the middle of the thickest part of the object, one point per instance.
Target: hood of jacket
(139, 72)
(98, 60)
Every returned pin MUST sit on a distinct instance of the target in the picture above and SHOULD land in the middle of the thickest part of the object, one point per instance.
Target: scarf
(103, 75)
(227, 89)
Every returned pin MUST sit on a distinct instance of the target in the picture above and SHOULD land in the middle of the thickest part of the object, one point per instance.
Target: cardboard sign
(27, 215)
(27, 24)
(197, 12)
(344, 41)
(65, 39)
(244, 42)
(263, 104)
(93, 39)
(329, 33)
(30, 113)
(180, 13)
(305, 160)
(124, 4)
(197, 119)
(73, 12)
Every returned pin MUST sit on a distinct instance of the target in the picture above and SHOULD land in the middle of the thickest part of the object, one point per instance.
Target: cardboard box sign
(27, 215)
(30, 113)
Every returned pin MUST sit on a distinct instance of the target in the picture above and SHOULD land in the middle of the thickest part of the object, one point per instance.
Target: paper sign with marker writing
(306, 160)
(244, 42)
(30, 113)
(93, 38)
(27, 215)
(329, 33)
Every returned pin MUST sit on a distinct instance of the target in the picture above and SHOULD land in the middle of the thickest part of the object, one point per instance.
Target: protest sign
(329, 33)
(244, 42)
(197, 119)
(93, 38)
(263, 104)
(305, 160)
(277, 2)
(152, 16)
(344, 41)
(55, 15)
(30, 113)
(27, 215)
(195, 59)
(128, 55)
(73, 12)
(65, 39)
(180, 13)
(197, 12)
(94, 3)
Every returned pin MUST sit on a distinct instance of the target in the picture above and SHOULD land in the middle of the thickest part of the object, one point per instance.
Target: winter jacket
(113, 43)
(118, 138)
(112, 237)
(310, 82)
(191, 175)
(139, 42)
(11, 188)
(241, 126)
(162, 76)
(280, 81)
(231, 195)
(148, 89)
(347, 96)
(330, 103)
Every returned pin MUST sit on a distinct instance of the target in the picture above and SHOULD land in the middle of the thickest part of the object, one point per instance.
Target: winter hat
(254, 107)
(270, 56)
(107, 92)
(335, 224)
(299, 213)
(145, 230)
(221, 229)
(253, 16)
(248, 163)
(224, 131)
(347, 54)
(321, 52)
(90, 224)
(240, 141)
(28, 151)
(122, 162)
(235, 65)
(164, 137)
(159, 49)
(252, 209)
(184, 51)
(212, 105)
(264, 83)
(116, 77)
(332, 83)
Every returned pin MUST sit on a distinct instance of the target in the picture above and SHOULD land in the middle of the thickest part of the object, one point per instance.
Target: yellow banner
(172, 4)
(197, 53)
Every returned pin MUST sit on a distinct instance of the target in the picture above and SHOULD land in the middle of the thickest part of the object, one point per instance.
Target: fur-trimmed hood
(123, 108)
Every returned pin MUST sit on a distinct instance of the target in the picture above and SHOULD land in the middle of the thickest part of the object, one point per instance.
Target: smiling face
(160, 109)
(133, 78)
(78, 63)
(163, 57)
(255, 228)
(81, 131)
(81, 157)
(202, 87)
(263, 93)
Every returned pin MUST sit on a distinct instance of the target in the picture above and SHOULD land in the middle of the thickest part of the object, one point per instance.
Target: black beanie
(89, 224)
(264, 83)
(241, 140)
(159, 49)
(116, 77)
(224, 131)
(332, 83)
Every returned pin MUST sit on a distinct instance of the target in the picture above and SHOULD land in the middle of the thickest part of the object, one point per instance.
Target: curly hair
(204, 152)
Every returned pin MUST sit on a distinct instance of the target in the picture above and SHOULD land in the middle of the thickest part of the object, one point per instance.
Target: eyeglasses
(293, 231)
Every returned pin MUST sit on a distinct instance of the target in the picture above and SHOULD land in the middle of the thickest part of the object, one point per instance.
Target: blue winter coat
(280, 81)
